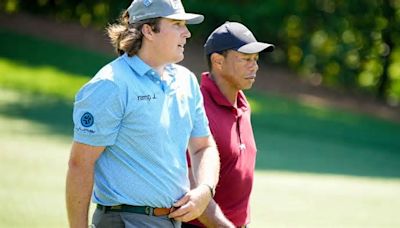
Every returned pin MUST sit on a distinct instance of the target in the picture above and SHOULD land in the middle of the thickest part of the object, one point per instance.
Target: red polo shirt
(232, 131)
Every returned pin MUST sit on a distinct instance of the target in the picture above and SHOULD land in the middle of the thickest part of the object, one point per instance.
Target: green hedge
(348, 44)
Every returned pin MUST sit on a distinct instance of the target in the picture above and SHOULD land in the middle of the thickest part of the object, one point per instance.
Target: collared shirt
(232, 131)
(145, 124)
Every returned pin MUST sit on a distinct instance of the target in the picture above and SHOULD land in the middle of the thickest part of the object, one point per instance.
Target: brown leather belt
(145, 210)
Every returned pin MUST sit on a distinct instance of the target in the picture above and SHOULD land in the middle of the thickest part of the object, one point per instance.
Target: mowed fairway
(32, 181)
(283, 199)
(33, 163)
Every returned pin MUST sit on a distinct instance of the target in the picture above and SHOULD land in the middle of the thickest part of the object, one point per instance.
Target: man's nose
(254, 65)
(186, 32)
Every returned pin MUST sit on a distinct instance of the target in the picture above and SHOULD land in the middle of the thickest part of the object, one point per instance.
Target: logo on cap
(87, 119)
(147, 2)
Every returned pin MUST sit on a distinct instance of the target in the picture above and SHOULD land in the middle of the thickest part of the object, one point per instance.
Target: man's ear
(147, 31)
(217, 60)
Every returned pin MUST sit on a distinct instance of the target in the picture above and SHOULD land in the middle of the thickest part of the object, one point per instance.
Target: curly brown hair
(126, 37)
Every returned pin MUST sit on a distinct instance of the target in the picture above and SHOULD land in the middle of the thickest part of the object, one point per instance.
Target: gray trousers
(130, 220)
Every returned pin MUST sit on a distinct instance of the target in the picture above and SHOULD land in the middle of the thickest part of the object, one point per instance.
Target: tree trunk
(384, 80)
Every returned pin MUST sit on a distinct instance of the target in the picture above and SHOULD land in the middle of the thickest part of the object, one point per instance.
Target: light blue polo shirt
(145, 124)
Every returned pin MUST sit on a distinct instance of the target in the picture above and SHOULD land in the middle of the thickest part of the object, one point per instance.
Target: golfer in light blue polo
(133, 122)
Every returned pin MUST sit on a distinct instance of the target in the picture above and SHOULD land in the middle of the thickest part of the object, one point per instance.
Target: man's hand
(213, 217)
(192, 205)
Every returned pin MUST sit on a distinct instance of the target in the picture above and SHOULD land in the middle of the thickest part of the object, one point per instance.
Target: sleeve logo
(87, 119)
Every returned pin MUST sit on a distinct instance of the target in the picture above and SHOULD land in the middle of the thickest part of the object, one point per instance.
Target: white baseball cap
(172, 9)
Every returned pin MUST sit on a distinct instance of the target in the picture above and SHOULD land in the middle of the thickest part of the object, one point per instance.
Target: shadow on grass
(287, 141)
(300, 138)
(55, 114)
(32, 51)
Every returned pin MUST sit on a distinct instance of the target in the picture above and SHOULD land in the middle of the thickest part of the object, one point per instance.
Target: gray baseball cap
(234, 36)
(172, 9)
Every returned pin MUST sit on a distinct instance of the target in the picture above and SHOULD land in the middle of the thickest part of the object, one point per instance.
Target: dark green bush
(348, 44)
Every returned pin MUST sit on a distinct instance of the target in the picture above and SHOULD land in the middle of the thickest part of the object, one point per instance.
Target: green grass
(33, 164)
(44, 66)
(301, 137)
(32, 180)
(36, 52)
(283, 199)
(47, 80)
(316, 166)
(33, 161)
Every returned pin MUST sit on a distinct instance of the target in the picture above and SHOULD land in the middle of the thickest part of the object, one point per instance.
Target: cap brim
(256, 47)
(190, 18)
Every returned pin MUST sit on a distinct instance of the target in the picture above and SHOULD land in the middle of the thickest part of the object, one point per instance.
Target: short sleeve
(97, 114)
(200, 123)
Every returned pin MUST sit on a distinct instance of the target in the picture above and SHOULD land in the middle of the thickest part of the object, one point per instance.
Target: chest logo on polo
(180, 95)
(146, 97)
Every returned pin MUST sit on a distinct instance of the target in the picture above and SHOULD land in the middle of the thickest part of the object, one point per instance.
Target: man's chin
(247, 86)
(179, 59)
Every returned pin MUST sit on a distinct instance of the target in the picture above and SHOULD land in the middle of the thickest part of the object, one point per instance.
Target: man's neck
(227, 90)
(151, 60)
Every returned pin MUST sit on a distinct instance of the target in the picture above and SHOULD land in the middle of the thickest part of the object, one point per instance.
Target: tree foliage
(347, 44)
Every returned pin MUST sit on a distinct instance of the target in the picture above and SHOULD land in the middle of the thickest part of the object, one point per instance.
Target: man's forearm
(214, 217)
(205, 165)
(78, 192)
(79, 184)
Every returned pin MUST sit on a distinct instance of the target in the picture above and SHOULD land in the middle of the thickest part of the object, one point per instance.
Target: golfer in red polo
(232, 54)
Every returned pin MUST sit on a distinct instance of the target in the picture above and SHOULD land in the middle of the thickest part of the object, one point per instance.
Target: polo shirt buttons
(234, 111)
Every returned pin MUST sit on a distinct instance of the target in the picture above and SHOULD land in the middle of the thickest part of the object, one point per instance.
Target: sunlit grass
(41, 66)
(46, 80)
(282, 199)
(309, 138)
(33, 165)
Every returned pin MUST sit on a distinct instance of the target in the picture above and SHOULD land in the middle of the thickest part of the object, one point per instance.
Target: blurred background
(325, 105)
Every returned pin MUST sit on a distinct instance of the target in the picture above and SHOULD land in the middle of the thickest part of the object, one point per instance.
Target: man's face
(171, 39)
(239, 69)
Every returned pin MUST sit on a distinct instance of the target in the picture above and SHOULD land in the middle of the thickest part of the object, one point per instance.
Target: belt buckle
(149, 210)
(116, 207)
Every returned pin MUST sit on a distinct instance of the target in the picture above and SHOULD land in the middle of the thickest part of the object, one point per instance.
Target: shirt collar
(142, 68)
(215, 93)
(137, 64)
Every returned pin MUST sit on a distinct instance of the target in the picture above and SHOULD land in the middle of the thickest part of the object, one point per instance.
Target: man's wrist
(211, 188)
